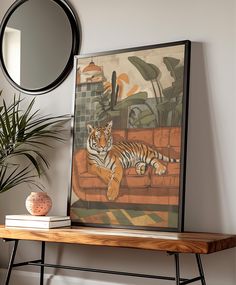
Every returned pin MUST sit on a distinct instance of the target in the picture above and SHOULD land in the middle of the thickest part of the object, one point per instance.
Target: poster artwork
(129, 138)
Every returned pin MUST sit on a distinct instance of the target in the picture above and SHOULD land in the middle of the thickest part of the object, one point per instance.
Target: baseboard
(28, 278)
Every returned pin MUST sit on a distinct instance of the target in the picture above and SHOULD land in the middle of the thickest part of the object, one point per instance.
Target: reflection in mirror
(38, 42)
(12, 52)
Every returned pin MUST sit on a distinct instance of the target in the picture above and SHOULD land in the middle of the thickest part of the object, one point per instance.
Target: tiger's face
(99, 139)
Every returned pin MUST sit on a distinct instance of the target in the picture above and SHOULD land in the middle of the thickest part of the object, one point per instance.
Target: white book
(37, 218)
(37, 224)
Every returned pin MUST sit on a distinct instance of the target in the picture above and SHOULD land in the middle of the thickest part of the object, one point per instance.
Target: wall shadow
(202, 205)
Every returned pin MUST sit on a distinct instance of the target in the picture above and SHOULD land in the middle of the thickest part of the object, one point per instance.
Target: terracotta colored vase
(38, 203)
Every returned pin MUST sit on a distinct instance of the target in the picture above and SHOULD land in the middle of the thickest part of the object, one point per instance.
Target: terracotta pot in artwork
(38, 203)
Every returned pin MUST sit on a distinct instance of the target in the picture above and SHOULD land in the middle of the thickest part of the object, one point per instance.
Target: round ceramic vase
(38, 203)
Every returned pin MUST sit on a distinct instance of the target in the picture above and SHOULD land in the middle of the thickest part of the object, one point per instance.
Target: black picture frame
(169, 66)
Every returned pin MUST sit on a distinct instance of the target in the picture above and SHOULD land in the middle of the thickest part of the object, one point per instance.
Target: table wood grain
(187, 242)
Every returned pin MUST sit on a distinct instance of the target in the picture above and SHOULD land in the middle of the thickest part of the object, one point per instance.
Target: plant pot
(38, 203)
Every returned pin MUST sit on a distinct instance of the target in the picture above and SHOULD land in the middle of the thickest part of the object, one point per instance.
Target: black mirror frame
(76, 40)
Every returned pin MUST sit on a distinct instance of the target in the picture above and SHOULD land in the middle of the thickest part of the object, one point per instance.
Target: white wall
(211, 179)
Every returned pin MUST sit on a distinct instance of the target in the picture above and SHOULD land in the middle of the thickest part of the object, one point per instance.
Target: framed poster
(130, 130)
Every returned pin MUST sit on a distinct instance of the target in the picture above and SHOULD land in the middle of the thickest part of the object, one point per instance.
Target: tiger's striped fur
(108, 160)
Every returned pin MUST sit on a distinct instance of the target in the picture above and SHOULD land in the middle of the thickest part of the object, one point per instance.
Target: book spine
(30, 224)
(36, 224)
(36, 218)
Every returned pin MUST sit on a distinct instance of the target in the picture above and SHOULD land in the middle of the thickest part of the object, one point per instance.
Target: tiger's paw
(141, 168)
(112, 193)
(160, 169)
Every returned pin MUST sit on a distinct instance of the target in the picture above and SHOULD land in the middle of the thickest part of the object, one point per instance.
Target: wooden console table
(173, 243)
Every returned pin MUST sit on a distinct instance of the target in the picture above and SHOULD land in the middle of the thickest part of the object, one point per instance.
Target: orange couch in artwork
(142, 189)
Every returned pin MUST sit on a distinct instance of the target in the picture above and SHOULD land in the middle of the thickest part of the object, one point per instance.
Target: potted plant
(24, 134)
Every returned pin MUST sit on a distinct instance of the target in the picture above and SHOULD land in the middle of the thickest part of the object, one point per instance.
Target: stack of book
(37, 222)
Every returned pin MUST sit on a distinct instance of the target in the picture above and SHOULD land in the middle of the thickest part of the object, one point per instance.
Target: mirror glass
(39, 39)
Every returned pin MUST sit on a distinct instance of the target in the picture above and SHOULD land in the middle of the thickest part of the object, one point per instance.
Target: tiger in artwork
(108, 160)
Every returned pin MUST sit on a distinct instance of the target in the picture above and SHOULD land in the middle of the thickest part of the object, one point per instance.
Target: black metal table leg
(200, 268)
(11, 262)
(177, 271)
(42, 262)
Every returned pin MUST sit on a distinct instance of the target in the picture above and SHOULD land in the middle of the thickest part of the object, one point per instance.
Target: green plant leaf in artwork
(166, 106)
(169, 93)
(146, 117)
(135, 99)
(171, 64)
(113, 114)
(177, 114)
(179, 108)
(157, 70)
(147, 70)
(24, 134)
(173, 91)
(179, 72)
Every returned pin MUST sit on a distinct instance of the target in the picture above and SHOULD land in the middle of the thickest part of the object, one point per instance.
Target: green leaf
(16, 178)
(179, 108)
(166, 106)
(179, 73)
(147, 70)
(157, 70)
(135, 99)
(146, 119)
(23, 135)
(113, 113)
(171, 64)
(169, 93)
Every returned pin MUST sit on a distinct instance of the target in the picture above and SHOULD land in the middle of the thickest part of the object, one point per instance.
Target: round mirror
(38, 39)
